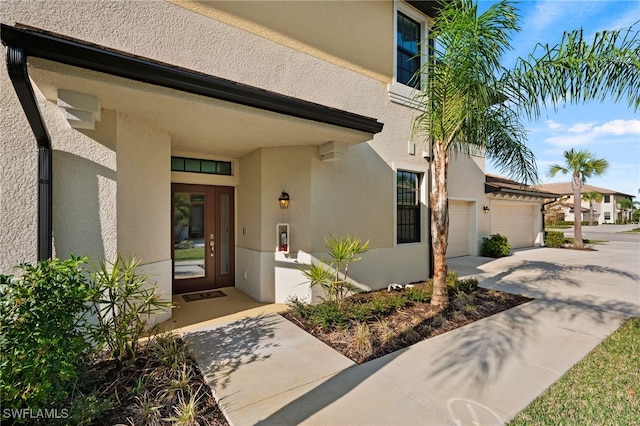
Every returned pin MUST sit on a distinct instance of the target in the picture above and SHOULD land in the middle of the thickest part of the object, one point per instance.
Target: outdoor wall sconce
(284, 200)
(486, 209)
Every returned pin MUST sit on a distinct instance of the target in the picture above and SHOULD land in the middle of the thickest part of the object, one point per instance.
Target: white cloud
(553, 125)
(581, 127)
(567, 140)
(620, 127)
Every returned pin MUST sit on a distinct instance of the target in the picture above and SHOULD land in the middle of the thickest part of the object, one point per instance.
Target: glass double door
(202, 237)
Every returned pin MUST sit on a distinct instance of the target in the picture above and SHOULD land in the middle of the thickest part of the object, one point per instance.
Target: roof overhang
(499, 187)
(203, 113)
(428, 7)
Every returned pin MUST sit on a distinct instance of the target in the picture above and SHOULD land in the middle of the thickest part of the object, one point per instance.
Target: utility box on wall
(283, 238)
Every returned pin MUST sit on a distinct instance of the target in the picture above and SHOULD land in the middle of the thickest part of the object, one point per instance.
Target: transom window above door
(195, 165)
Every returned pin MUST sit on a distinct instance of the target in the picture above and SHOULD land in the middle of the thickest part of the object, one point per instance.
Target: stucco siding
(144, 197)
(120, 172)
(351, 34)
(18, 180)
(84, 186)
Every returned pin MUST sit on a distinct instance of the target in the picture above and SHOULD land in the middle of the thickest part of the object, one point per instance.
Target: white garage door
(515, 222)
(458, 229)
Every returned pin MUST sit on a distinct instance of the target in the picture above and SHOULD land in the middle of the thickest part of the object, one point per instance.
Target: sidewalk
(265, 370)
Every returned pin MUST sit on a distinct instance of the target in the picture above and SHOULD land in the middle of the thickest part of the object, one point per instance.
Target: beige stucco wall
(144, 197)
(466, 183)
(355, 194)
(357, 35)
(84, 186)
(18, 180)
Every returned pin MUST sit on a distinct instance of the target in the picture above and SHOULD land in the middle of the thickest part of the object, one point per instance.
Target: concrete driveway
(606, 232)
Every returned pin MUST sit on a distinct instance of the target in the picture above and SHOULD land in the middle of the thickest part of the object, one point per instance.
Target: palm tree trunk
(439, 200)
(590, 213)
(576, 185)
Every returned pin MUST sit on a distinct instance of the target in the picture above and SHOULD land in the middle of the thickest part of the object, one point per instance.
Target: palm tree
(581, 165)
(468, 101)
(591, 197)
(626, 205)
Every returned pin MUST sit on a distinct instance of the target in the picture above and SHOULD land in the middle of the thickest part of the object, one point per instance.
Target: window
(607, 215)
(407, 41)
(607, 198)
(212, 167)
(408, 205)
(411, 29)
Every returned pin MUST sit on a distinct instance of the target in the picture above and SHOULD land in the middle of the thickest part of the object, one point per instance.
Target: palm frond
(575, 71)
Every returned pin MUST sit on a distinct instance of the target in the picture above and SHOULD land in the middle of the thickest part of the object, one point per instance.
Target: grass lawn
(632, 231)
(602, 389)
(189, 254)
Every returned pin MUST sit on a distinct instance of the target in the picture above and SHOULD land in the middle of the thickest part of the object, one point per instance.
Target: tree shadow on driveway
(500, 363)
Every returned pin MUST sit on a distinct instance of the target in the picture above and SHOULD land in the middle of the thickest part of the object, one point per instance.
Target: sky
(608, 130)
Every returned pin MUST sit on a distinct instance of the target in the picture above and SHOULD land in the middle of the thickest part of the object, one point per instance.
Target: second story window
(408, 35)
(607, 198)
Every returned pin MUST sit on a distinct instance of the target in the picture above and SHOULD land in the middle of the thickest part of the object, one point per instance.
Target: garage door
(515, 222)
(458, 229)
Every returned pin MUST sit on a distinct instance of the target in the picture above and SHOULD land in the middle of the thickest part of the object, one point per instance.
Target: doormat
(203, 295)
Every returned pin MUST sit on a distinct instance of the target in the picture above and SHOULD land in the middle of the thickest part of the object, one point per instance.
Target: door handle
(212, 244)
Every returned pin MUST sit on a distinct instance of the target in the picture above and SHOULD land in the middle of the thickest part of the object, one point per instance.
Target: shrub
(495, 246)
(42, 322)
(123, 304)
(299, 307)
(329, 314)
(554, 239)
(332, 275)
(466, 285)
(420, 294)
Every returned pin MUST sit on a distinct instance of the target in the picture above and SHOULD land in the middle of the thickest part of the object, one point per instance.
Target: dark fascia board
(490, 189)
(57, 48)
(430, 8)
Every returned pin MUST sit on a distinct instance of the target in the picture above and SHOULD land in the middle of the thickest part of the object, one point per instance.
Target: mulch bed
(119, 384)
(408, 325)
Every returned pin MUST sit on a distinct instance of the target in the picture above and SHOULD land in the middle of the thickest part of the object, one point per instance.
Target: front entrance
(202, 237)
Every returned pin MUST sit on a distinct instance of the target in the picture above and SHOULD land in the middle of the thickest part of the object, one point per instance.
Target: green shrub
(42, 325)
(299, 307)
(419, 294)
(554, 239)
(123, 304)
(329, 314)
(360, 311)
(466, 285)
(495, 246)
(332, 275)
(571, 223)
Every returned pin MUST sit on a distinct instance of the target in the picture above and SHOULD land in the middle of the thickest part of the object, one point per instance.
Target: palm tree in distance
(591, 197)
(581, 165)
(626, 205)
(468, 101)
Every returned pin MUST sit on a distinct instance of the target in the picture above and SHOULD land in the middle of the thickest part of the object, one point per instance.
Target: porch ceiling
(196, 123)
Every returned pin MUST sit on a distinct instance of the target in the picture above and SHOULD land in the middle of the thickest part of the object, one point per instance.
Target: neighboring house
(173, 131)
(516, 210)
(607, 210)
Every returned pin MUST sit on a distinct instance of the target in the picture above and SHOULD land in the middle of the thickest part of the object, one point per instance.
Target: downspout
(429, 235)
(19, 75)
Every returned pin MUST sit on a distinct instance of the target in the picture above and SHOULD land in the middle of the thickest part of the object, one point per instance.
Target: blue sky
(608, 130)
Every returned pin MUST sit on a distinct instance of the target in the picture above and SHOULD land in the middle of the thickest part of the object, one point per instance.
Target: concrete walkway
(264, 370)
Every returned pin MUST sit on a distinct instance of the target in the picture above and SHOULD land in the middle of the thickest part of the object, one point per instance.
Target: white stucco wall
(355, 194)
(18, 180)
